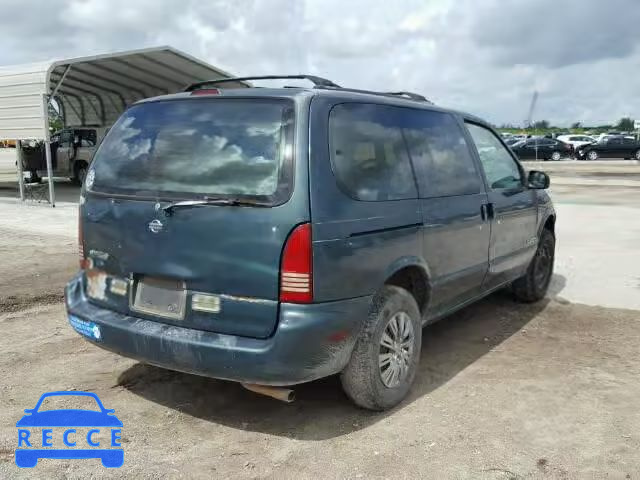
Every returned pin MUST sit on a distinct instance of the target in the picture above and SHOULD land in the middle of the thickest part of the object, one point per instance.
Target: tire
(365, 382)
(637, 155)
(556, 156)
(533, 285)
(79, 173)
(592, 155)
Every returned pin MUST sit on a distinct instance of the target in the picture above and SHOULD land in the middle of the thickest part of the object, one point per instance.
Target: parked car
(541, 149)
(576, 141)
(612, 146)
(512, 140)
(274, 236)
(72, 150)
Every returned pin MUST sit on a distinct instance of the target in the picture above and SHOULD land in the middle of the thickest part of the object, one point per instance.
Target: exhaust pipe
(283, 394)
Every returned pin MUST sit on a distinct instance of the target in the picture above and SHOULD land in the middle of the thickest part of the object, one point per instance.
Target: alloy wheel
(396, 350)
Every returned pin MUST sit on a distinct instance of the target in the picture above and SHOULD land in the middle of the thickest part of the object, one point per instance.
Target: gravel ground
(505, 391)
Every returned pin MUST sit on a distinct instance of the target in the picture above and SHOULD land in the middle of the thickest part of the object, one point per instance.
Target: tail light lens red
(84, 264)
(296, 269)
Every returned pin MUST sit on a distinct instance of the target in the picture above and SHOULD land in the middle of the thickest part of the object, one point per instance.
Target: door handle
(486, 211)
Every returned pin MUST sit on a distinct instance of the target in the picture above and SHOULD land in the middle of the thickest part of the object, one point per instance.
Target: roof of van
(338, 93)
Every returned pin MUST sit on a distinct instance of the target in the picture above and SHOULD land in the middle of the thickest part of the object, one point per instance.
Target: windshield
(199, 148)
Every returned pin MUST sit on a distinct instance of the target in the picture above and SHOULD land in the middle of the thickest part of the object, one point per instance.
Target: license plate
(161, 297)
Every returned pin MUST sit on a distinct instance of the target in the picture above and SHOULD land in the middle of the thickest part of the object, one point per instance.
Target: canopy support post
(64, 74)
(20, 171)
(47, 150)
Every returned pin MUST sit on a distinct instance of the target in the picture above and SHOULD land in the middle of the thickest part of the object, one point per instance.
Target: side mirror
(538, 180)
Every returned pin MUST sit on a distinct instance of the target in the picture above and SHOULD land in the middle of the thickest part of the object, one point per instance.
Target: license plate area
(161, 297)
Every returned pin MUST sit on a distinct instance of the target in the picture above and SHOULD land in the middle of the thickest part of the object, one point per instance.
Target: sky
(485, 57)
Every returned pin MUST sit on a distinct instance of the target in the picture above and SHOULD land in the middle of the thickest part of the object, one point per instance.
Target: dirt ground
(505, 391)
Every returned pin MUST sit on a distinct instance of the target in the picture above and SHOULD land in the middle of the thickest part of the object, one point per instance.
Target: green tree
(55, 119)
(541, 124)
(625, 124)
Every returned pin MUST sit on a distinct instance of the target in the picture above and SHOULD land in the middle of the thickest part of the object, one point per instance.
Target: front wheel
(592, 155)
(637, 155)
(385, 358)
(533, 285)
(556, 156)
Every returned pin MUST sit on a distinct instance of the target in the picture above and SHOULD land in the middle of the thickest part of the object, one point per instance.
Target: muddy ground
(505, 391)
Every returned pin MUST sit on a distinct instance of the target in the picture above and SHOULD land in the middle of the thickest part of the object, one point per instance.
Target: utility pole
(529, 121)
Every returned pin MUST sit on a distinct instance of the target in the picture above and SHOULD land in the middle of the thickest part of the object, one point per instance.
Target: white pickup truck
(72, 150)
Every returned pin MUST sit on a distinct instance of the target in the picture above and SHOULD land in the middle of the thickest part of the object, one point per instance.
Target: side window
(368, 154)
(87, 138)
(440, 153)
(499, 166)
(615, 141)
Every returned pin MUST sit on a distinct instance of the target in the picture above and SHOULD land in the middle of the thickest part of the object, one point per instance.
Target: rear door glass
(444, 165)
(368, 153)
(200, 147)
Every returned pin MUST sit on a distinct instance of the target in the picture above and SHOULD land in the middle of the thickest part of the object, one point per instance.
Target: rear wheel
(592, 155)
(533, 285)
(637, 155)
(385, 358)
(556, 156)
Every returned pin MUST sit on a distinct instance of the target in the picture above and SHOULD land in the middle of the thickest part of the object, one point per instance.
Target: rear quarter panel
(355, 243)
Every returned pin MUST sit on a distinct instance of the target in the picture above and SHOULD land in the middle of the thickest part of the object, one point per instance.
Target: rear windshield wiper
(230, 202)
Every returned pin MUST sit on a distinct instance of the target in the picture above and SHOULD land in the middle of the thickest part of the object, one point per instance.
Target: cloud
(557, 34)
(484, 57)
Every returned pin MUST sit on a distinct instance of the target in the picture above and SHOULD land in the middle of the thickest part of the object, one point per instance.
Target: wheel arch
(549, 223)
(412, 274)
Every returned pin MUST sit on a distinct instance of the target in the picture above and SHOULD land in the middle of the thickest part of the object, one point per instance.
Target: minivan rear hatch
(187, 210)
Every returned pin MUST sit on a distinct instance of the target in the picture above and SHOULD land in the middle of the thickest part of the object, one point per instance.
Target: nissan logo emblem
(155, 226)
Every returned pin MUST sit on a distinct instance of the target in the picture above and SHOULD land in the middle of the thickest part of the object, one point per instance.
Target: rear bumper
(310, 342)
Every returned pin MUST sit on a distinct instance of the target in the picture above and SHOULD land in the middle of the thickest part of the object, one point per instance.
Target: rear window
(199, 148)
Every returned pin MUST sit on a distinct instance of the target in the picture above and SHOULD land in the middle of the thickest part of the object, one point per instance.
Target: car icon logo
(155, 226)
(86, 433)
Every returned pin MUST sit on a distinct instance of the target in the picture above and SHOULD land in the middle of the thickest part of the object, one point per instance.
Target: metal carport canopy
(92, 90)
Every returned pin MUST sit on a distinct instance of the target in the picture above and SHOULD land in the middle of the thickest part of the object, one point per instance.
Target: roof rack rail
(410, 95)
(407, 95)
(317, 81)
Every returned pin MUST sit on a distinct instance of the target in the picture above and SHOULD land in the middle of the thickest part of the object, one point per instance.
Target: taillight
(83, 260)
(296, 270)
